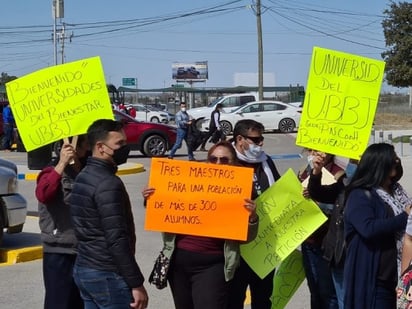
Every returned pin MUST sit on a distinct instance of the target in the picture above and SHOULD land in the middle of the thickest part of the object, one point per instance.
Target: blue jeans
(102, 289)
(7, 135)
(337, 276)
(181, 135)
(319, 278)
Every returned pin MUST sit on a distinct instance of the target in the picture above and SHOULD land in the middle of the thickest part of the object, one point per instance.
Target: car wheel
(286, 125)
(154, 146)
(226, 127)
(154, 119)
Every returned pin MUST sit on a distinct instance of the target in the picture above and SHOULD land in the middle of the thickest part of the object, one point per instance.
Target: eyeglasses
(221, 160)
(255, 139)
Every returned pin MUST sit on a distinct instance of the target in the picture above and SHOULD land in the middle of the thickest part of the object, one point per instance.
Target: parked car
(170, 116)
(143, 113)
(13, 206)
(151, 139)
(229, 103)
(274, 115)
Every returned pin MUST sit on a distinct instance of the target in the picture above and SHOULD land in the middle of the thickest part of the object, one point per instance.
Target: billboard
(190, 70)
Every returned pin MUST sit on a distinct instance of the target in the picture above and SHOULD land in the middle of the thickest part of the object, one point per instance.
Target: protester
(214, 127)
(183, 121)
(318, 273)
(106, 270)
(248, 142)
(8, 128)
(332, 246)
(54, 185)
(201, 267)
(370, 271)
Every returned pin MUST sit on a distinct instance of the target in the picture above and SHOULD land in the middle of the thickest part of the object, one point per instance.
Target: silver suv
(13, 206)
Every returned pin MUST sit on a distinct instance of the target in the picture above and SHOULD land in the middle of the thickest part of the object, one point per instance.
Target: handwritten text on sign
(198, 199)
(340, 102)
(286, 219)
(58, 102)
(288, 278)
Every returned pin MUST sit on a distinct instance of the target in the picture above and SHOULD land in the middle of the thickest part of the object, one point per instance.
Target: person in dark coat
(214, 127)
(54, 185)
(370, 271)
(106, 270)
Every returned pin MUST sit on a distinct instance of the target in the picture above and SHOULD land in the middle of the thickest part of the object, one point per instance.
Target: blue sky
(143, 38)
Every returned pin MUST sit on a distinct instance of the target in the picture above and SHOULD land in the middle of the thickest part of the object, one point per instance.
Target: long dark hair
(374, 167)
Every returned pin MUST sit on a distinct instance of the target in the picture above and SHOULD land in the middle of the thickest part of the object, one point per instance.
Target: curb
(135, 169)
(10, 257)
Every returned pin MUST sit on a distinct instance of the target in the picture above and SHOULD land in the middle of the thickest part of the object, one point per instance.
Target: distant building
(251, 80)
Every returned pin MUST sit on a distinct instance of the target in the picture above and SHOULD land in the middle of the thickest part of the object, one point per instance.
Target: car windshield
(237, 108)
(214, 102)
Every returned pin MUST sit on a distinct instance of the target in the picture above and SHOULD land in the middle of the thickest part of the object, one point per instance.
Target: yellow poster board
(199, 199)
(286, 219)
(288, 278)
(59, 101)
(340, 102)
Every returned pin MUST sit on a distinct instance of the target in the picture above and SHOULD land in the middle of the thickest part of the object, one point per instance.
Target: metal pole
(54, 9)
(260, 49)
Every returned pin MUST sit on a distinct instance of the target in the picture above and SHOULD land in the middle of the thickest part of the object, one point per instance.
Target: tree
(397, 29)
(4, 78)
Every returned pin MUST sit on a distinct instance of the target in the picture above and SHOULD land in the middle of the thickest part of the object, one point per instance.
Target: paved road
(21, 284)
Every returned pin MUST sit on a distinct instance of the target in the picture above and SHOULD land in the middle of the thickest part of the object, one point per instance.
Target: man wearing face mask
(183, 122)
(103, 224)
(248, 142)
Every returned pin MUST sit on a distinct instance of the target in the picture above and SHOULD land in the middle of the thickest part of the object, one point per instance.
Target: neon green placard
(59, 101)
(340, 102)
(286, 219)
(288, 278)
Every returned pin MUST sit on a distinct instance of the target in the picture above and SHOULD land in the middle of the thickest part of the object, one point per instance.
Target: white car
(274, 115)
(228, 102)
(145, 114)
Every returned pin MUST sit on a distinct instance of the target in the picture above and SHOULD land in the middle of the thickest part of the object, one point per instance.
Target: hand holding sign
(59, 101)
(340, 102)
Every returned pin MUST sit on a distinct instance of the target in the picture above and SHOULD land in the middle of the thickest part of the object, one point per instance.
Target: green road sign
(129, 81)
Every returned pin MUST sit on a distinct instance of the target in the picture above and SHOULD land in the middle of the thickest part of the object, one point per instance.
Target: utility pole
(260, 49)
(63, 37)
(57, 12)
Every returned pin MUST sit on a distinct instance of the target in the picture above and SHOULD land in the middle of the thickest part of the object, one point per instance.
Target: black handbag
(158, 276)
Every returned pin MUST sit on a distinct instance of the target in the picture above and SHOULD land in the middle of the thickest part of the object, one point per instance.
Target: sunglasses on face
(255, 139)
(220, 160)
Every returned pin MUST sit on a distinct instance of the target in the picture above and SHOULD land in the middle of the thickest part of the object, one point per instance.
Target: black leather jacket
(103, 222)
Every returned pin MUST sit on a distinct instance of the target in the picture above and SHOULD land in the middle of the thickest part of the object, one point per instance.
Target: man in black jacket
(214, 127)
(248, 141)
(106, 270)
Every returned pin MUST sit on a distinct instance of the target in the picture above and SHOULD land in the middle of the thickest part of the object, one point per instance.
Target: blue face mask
(350, 170)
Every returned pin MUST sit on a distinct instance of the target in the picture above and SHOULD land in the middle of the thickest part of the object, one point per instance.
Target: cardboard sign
(59, 101)
(199, 199)
(286, 219)
(340, 103)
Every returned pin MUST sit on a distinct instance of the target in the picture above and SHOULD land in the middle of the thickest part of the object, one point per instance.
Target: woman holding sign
(371, 226)
(201, 267)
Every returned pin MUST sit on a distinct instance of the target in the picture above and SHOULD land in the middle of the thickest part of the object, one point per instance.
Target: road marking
(286, 156)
